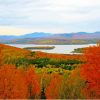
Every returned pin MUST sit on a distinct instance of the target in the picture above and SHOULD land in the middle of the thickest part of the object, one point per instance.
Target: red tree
(12, 83)
(54, 88)
(91, 72)
(33, 83)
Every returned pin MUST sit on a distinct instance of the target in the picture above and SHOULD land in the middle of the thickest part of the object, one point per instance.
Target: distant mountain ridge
(7, 38)
(82, 35)
(49, 38)
(36, 35)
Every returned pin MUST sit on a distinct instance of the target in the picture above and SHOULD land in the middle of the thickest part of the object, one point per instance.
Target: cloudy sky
(56, 16)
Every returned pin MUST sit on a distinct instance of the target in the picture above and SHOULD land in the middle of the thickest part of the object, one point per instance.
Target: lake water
(60, 49)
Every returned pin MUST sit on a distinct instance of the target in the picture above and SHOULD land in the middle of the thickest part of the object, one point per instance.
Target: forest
(25, 74)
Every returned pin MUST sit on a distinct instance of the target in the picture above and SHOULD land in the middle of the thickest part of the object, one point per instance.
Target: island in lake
(78, 50)
(40, 47)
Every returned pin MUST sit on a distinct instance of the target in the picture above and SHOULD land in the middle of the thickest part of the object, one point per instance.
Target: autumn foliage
(54, 88)
(1, 56)
(58, 56)
(91, 72)
(33, 83)
(37, 75)
(13, 83)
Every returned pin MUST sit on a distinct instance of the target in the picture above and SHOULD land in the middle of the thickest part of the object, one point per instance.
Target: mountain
(36, 35)
(81, 35)
(7, 38)
(49, 38)
(4, 38)
(95, 35)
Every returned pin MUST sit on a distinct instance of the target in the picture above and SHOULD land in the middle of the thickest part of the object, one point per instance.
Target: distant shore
(40, 47)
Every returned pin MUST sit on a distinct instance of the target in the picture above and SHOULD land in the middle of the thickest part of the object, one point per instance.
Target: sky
(19, 17)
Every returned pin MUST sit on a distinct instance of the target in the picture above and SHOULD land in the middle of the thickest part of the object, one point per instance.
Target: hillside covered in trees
(37, 75)
(51, 38)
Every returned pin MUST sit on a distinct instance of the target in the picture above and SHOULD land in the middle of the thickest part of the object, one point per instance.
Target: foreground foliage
(91, 72)
(17, 83)
(36, 75)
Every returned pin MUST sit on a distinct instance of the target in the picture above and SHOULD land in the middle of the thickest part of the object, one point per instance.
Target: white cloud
(49, 15)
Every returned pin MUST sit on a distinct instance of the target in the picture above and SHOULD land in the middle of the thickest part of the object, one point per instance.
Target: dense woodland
(37, 75)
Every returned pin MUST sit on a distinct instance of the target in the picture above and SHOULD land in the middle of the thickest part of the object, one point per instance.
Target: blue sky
(56, 16)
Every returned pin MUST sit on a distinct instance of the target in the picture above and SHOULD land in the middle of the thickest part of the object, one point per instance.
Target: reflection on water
(60, 49)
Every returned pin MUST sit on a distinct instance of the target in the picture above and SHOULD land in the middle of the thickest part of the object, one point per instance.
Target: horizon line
(50, 33)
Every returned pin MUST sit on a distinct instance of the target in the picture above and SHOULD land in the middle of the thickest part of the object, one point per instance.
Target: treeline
(78, 50)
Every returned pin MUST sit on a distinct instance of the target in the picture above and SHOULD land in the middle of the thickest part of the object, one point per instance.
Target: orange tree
(12, 83)
(18, 83)
(90, 71)
(53, 90)
(33, 83)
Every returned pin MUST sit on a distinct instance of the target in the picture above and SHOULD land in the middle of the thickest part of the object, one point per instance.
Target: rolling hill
(49, 38)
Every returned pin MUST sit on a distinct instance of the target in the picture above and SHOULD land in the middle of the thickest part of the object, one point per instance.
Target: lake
(60, 49)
